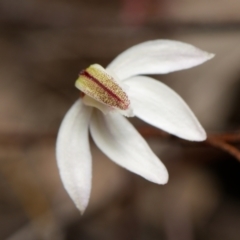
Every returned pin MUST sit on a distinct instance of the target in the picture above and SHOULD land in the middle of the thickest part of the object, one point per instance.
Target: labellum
(101, 86)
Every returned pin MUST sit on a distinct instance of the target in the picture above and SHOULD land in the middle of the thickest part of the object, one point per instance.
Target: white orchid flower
(119, 90)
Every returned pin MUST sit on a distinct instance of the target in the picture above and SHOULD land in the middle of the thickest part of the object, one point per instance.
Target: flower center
(98, 84)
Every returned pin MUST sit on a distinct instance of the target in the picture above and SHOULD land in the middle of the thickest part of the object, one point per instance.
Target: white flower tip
(201, 136)
(80, 201)
(203, 57)
(160, 176)
(164, 178)
(209, 55)
(81, 209)
(197, 136)
(161, 180)
(81, 205)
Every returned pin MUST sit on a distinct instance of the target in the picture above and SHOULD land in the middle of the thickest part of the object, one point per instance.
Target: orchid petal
(121, 142)
(157, 57)
(73, 154)
(160, 106)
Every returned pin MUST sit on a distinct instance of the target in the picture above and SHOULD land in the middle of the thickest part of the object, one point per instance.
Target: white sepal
(160, 106)
(121, 142)
(73, 154)
(157, 57)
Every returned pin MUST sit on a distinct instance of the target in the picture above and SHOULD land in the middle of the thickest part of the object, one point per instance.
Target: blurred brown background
(43, 46)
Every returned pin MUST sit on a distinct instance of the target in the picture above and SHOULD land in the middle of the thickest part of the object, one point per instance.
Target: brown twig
(221, 144)
(223, 141)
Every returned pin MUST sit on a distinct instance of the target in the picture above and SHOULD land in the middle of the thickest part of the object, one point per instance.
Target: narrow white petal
(120, 141)
(160, 106)
(157, 57)
(73, 154)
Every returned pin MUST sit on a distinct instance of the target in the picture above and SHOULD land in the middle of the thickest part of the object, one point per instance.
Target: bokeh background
(43, 46)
